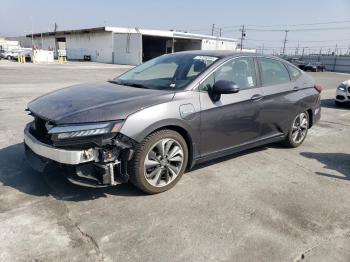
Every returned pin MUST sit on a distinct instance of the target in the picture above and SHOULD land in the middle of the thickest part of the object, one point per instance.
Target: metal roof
(133, 30)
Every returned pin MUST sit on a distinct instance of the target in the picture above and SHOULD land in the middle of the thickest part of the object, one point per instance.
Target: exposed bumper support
(70, 157)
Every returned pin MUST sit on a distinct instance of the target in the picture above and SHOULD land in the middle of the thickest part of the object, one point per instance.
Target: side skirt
(237, 149)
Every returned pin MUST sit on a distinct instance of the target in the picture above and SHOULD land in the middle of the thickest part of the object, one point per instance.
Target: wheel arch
(310, 115)
(185, 131)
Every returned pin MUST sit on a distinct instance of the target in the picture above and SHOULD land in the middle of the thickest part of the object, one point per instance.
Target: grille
(39, 131)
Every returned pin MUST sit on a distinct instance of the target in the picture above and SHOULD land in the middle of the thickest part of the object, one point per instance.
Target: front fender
(140, 124)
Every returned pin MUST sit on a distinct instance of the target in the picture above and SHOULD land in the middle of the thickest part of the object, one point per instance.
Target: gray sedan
(155, 121)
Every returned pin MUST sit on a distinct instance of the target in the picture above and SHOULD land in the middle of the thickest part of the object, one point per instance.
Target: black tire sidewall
(137, 173)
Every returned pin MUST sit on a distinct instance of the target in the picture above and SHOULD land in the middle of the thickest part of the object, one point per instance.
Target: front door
(232, 120)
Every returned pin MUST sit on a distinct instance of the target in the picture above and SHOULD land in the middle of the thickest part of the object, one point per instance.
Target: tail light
(318, 88)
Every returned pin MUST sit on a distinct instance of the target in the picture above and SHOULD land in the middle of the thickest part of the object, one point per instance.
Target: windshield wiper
(134, 85)
(128, 84)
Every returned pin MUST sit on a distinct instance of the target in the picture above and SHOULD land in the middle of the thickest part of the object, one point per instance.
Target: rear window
(294, 72)
(273, 72)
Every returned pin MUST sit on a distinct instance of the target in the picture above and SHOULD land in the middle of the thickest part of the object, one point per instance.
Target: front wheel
(298, 130)
(159, 161)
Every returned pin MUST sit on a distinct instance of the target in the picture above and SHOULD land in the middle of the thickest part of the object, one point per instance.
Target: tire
(148, 179)
(301, 128)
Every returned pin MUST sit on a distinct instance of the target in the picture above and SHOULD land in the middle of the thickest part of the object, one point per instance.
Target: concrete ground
(267, 204)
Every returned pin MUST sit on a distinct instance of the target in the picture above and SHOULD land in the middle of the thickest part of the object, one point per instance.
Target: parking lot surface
(266, 204)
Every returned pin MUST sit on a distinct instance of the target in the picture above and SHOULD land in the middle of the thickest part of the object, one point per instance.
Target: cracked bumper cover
(69, 157)
(90, 167)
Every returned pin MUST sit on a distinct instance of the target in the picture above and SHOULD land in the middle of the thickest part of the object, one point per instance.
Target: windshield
(169, 72)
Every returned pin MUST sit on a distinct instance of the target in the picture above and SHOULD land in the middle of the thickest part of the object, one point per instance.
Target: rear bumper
(69, 157)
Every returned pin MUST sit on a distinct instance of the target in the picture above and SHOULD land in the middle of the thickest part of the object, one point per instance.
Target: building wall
(127, 49)
(212, 44)
(46, 43)
(98, 45)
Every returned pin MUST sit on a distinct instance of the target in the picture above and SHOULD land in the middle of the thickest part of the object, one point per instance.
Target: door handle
(296, 88)
(256, 97)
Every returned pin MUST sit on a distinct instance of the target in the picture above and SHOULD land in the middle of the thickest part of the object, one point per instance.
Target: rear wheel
(298, 130)
(159, 161)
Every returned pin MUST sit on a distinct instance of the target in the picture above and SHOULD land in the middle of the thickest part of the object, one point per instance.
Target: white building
(130, 46)
(9, 45)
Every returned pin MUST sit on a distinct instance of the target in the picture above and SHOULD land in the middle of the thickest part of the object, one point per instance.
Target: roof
(226, 53)
(134, 30)
(216, 53)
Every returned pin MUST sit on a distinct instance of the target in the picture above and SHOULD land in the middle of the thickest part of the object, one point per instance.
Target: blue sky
(18, 16)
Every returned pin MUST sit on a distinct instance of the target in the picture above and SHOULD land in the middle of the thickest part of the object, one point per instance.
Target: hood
(95, 103)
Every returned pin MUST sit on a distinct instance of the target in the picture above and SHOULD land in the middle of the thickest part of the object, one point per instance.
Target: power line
(296, 41)
(291, 25)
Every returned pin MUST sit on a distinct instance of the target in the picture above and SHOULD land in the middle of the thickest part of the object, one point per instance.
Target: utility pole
(212, 29)
(42, 41)
(262, 49)
(32, 32)
(302, 55)
(297, 50)
(242, 36)
(336, 49)
(285, 41)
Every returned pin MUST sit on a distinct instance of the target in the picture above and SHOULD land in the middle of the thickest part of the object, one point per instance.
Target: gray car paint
(96, 102)
(233, 123)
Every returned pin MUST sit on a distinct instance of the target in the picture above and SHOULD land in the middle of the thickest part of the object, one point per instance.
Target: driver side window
(239, 70)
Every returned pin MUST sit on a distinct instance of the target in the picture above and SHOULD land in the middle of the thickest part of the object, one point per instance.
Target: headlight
(73, 131)
(342, 88)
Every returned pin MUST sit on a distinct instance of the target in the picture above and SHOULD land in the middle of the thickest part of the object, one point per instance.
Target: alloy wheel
(163, 162)
(299, 128)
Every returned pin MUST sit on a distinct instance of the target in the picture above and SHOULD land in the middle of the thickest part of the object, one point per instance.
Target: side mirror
(225, 87)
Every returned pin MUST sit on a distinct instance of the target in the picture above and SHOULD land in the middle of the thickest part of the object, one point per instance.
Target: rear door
(234, 119)
(280, 98)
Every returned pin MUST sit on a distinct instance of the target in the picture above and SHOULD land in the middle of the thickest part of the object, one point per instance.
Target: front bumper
(69, 157)
(342, 96)
(91, 167)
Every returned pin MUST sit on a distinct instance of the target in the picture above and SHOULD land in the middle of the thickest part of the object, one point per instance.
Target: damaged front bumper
(97, 166)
